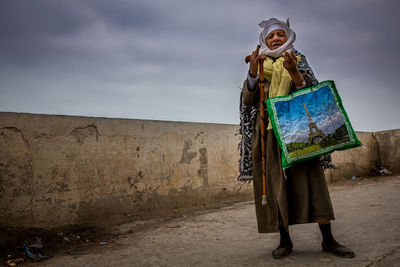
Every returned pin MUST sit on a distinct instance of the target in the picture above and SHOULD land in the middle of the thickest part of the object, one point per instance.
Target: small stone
(326, 259)
(289, 260)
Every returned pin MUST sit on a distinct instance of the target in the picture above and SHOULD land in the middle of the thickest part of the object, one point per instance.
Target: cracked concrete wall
(63, 170)
(355, 162)
(380, 149)
(389, 149)
(57, 171)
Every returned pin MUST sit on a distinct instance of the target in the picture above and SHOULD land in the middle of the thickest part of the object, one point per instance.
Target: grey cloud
(127, 53)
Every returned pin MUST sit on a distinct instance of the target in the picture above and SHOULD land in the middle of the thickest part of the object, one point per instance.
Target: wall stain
(169, 175)
(81, 133)
(133, 182)
(197, 136)
(133, 185)
(25, 173)
(186, 155)
(203, 171)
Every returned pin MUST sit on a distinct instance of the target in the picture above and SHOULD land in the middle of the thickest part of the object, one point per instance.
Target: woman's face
(275, 39)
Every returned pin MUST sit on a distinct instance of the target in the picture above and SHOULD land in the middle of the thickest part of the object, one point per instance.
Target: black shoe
(338, 250)
(282, 251)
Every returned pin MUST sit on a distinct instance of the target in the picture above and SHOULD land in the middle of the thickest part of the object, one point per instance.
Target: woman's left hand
(290, 62)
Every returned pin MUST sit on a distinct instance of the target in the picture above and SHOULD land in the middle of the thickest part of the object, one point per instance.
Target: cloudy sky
(182, 60)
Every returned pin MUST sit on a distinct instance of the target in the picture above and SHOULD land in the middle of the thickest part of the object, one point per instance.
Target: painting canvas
(310, 123)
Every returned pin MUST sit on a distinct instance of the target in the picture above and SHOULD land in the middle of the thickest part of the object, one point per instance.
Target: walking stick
(264, 201)
(262, 115)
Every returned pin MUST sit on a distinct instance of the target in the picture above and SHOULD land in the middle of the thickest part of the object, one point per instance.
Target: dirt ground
(367, 220)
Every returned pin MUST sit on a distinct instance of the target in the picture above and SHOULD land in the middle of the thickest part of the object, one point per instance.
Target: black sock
(326, 233)
(285, 237)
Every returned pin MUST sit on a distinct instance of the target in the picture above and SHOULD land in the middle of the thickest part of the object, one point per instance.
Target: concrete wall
(64, 170)
(355, 162)
(57, 171)
(389, 149)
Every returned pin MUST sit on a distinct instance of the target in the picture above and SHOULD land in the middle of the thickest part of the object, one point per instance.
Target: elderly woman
(299, 194)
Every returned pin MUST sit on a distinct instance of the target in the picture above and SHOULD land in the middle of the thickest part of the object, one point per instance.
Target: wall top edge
(5, 113)
(388, 131)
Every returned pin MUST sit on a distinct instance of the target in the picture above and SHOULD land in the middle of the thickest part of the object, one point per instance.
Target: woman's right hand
(253, 69)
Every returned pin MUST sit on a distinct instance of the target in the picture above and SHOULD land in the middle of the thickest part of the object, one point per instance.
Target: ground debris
(326, 259)
(14, 262)
(381, 171)
(33, 244)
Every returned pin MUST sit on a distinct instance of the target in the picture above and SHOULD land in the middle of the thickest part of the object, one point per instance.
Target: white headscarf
(271, 25)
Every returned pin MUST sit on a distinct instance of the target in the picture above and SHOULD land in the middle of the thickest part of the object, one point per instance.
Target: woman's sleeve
(306, 71)
(250, 97)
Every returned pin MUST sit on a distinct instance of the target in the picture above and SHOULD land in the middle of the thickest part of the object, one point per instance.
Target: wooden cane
(262, 115)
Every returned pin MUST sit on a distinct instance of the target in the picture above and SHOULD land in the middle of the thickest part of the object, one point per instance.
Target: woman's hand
(290, 62)
(253, 69)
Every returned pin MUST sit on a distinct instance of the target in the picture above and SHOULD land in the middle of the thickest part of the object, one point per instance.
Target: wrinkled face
(275, 39)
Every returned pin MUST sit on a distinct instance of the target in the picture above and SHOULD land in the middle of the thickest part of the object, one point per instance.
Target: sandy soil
(367, 220)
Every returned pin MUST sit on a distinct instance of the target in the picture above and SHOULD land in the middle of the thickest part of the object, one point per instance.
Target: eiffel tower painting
(316, 135)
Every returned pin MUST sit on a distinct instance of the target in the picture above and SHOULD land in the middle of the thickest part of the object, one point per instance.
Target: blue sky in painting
(323, 111)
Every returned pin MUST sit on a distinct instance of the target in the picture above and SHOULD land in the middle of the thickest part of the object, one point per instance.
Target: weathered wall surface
(355, 162)
(389, 149)
(62, 170)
